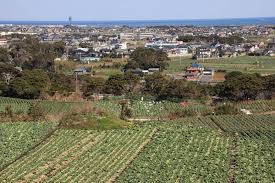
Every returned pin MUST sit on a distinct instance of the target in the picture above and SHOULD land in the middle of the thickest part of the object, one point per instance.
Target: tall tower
(70, 20)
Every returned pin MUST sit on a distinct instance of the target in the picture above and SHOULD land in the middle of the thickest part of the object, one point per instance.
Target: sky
(99, 10)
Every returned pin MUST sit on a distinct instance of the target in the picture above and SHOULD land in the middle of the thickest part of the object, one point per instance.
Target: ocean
(144, 23)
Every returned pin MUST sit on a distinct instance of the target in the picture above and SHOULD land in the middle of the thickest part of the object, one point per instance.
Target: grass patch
(90, 121)
(248, 64)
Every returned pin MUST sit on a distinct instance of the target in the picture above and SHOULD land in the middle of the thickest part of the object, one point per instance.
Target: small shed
(81, 70)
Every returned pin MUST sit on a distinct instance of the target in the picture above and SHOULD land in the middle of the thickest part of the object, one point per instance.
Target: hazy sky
(134, 9)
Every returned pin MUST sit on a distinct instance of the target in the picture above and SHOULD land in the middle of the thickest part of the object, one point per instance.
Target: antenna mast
(70, 20)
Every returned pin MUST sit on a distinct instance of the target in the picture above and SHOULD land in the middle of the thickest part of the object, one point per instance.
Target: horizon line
(118, 20)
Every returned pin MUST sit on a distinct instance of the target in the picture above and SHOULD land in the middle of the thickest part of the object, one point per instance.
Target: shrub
(226, 109)
(36, 112)
(125, 110)
(182, 114)
(8, 111)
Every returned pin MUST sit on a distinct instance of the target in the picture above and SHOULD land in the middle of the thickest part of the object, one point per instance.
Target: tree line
(233, 39)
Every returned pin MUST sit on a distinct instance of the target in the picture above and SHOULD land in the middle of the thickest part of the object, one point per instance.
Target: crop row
(17, 138)
(193, 155)
(255, 161)
(258, 105)
(256, 126)
(252, 126)
(148, 108)
(79, 156)
(49, 107)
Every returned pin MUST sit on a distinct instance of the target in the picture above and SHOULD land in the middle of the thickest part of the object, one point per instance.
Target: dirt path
(147, 119)
(232, 160)
(268, 112)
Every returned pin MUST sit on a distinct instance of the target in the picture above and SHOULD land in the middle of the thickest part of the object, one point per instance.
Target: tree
(31, 54)
(92, 86)
(29, 85)
(59, 48)
(240, 86)
(61, 83)
(155, 84)
(125, 110)
(8, 72)
(270, 83)
(4, 55)
(186, 38)
(132, 81)
(146, 58)
(227, 109)
(187, 90)
(115, 84)
(36, 112)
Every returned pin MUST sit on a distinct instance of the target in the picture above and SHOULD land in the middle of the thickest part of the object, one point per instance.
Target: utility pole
(76, 82)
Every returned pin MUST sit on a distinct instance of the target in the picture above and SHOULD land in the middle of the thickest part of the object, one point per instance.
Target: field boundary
(232, 159)
(218, 125)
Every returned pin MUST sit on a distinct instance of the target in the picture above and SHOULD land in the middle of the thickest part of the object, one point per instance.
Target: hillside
(223, 148)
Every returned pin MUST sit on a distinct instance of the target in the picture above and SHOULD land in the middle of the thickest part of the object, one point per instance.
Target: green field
(160, 109)
(17, 138)
(149, 109)
(100, 154)
(225, 148)
(205, 149)
(262, 65)
(181, 155)
(49, 107)
(140, 109)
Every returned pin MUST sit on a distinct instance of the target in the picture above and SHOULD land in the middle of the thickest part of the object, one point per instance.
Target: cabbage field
(185, 155)
(148, 109)
(204, 149)
(49, 107)
(17, 138)
(258, 105)
(224, 148)
(79, 156)
(140, 108)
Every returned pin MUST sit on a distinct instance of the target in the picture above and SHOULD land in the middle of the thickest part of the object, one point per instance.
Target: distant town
(88, 44)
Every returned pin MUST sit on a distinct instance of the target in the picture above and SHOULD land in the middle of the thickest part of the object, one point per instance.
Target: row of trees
(242, 86)
(234, 39)
(156, 85)
(33, 83)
